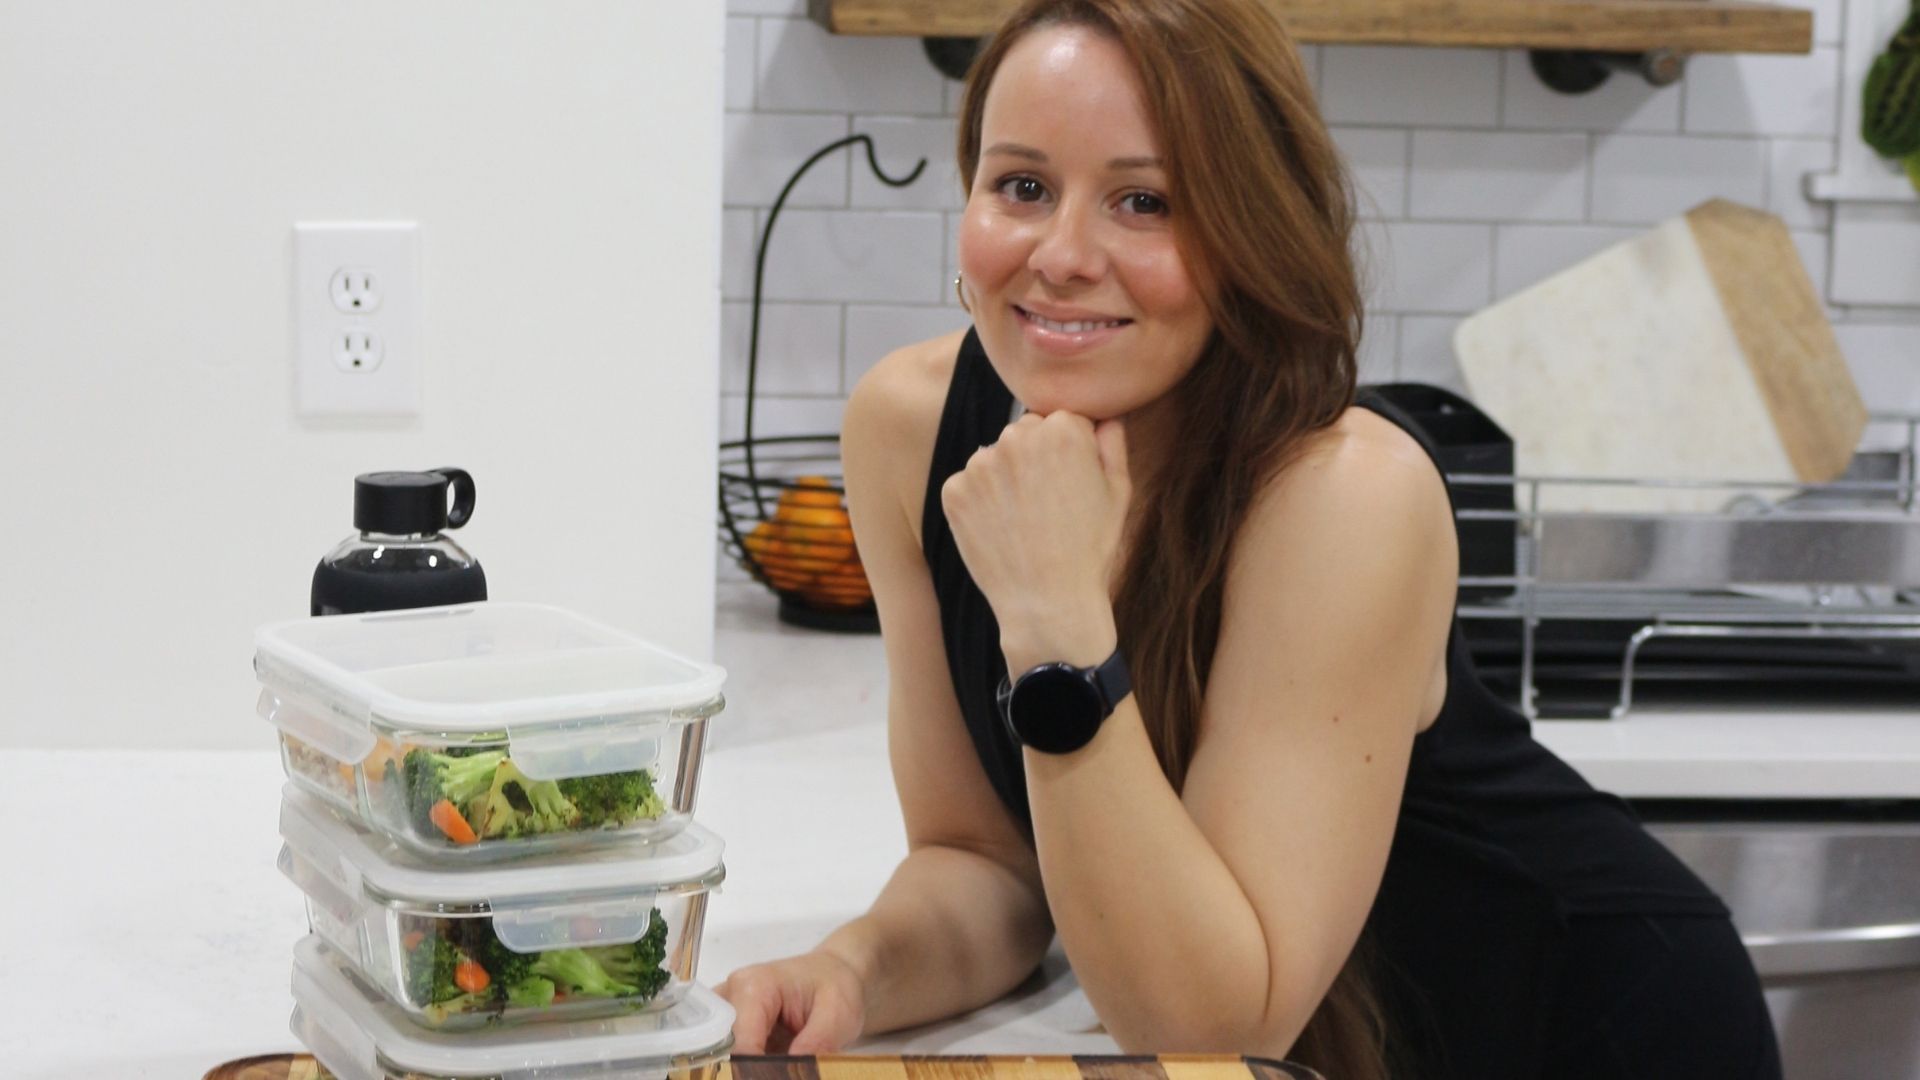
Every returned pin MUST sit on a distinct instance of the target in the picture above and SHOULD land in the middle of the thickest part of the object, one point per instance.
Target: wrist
(857, 946)
(1082, 637)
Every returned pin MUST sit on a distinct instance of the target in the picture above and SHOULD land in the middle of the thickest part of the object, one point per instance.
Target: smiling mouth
(1076, 327)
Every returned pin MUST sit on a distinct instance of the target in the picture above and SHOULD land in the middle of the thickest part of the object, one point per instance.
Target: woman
(1304, 829)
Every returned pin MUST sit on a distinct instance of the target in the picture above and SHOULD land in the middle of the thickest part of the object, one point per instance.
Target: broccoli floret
(532, 992)
(578, 973)
(430, 967)
(613, 799)
(459, 778)
(642, 963)
(504, 966)
(518, 805)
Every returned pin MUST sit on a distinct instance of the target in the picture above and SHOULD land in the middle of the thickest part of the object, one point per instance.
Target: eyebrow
(1029, 153)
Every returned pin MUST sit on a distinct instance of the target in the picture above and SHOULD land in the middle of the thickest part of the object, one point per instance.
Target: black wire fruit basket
(783, 507)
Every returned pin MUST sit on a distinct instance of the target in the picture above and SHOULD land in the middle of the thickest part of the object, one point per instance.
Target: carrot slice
(470, 976)
(413, 939)
(446, 817)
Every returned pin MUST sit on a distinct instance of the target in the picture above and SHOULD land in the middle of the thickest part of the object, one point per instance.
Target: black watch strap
(1114, 680)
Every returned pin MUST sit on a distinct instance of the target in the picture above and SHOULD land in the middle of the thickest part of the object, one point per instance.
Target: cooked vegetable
(430, 967)
(460, 779)
(577, 973)
(518, 805)
(446, 817)
(472, 795)
(613, 799)
(530, 993)
(642, 963)
(470, 976)
(460, 966)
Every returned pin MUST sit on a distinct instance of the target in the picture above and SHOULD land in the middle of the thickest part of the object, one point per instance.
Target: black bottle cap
(410, 503)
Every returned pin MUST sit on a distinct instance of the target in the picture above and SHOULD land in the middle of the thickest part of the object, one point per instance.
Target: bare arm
(1217, 921)
(963, 919)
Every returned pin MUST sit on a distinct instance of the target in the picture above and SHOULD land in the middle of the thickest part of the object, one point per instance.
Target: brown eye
(1146, 202)
(1022, 189)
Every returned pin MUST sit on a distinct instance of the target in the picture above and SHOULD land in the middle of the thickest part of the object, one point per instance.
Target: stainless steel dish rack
(1831, 561)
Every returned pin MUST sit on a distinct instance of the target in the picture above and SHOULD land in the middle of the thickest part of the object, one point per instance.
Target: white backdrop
(158, 496)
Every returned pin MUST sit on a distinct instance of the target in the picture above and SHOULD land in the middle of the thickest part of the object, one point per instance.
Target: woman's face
(1079, 293)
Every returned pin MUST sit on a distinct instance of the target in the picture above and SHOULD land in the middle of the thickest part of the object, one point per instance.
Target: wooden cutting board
(1696, 351)
(863, 1067)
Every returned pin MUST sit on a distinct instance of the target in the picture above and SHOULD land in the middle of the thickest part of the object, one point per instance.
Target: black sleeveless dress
(1526, 926)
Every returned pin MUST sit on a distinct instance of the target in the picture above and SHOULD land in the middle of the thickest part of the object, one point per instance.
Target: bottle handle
(463, 496)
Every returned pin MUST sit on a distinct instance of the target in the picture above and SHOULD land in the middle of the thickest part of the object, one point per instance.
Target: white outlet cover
(323, 385)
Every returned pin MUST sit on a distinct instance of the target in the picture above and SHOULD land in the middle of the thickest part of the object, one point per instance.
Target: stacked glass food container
(490, 812)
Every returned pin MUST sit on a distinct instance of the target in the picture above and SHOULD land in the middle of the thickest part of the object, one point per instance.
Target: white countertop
(147, 933)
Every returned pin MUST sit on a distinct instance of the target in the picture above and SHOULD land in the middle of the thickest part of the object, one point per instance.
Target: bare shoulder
(1362, 463)
(902, 396)
(892, 418)
(1361, 493)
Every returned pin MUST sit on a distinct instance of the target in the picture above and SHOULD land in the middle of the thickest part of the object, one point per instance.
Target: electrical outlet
(355, 290)
(356, 315)
(358, 351)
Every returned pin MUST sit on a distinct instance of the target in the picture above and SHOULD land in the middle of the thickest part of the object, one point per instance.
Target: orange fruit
(811, 491)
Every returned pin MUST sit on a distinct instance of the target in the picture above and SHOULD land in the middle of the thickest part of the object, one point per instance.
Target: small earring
(961, 294)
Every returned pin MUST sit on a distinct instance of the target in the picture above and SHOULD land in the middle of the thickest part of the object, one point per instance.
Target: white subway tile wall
(1790, 160)
(805, 69)
(1643, 179)
(763, 149)
(1764, 95)
(1377, 160)
(873, 331)
(849, 255)
(1475, 181)
(1499, 175)
(1384, 84)
(1420, 266)
(1885, 241)
(800, 348)
(1526, 255)
(901, 143)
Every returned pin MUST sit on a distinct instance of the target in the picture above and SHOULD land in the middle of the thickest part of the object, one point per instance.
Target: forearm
(1161, 936)
(952, 931)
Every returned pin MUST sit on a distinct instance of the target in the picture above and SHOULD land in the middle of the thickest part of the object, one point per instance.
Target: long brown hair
(1264, 216)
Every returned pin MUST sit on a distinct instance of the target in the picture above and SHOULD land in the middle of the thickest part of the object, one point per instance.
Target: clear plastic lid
(568, 900)
(359, 1035)
(559, 685)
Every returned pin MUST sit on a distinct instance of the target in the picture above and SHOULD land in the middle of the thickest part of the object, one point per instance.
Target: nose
(1069, 247)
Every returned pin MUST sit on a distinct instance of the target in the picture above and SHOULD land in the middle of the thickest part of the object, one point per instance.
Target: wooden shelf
(1686, 26)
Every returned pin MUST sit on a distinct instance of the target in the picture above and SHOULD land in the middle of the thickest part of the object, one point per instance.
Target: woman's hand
(1038, 517)
(808, 1004)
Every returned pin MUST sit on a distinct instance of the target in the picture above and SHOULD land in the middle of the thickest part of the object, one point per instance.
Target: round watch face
(1055, 709)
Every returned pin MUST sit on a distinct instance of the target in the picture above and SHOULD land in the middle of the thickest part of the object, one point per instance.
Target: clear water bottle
(400, 558)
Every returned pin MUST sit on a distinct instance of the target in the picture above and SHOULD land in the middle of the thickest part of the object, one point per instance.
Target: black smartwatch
(1058, 708)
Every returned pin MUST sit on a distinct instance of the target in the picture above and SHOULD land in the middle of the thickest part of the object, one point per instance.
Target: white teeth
(1070, 327)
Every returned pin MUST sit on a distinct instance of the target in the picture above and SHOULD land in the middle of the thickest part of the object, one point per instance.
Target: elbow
(1204, 1027)
(1189, 1021)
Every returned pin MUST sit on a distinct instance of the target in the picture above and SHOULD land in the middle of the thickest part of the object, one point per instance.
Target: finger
(753, 1018)
(1111, 437)
(828, 1028)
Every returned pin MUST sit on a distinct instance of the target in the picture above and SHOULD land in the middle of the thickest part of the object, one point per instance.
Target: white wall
(1477, 181)
(159, 496)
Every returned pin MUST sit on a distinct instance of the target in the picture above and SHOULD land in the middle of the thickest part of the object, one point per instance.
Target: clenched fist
(1039, 517)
